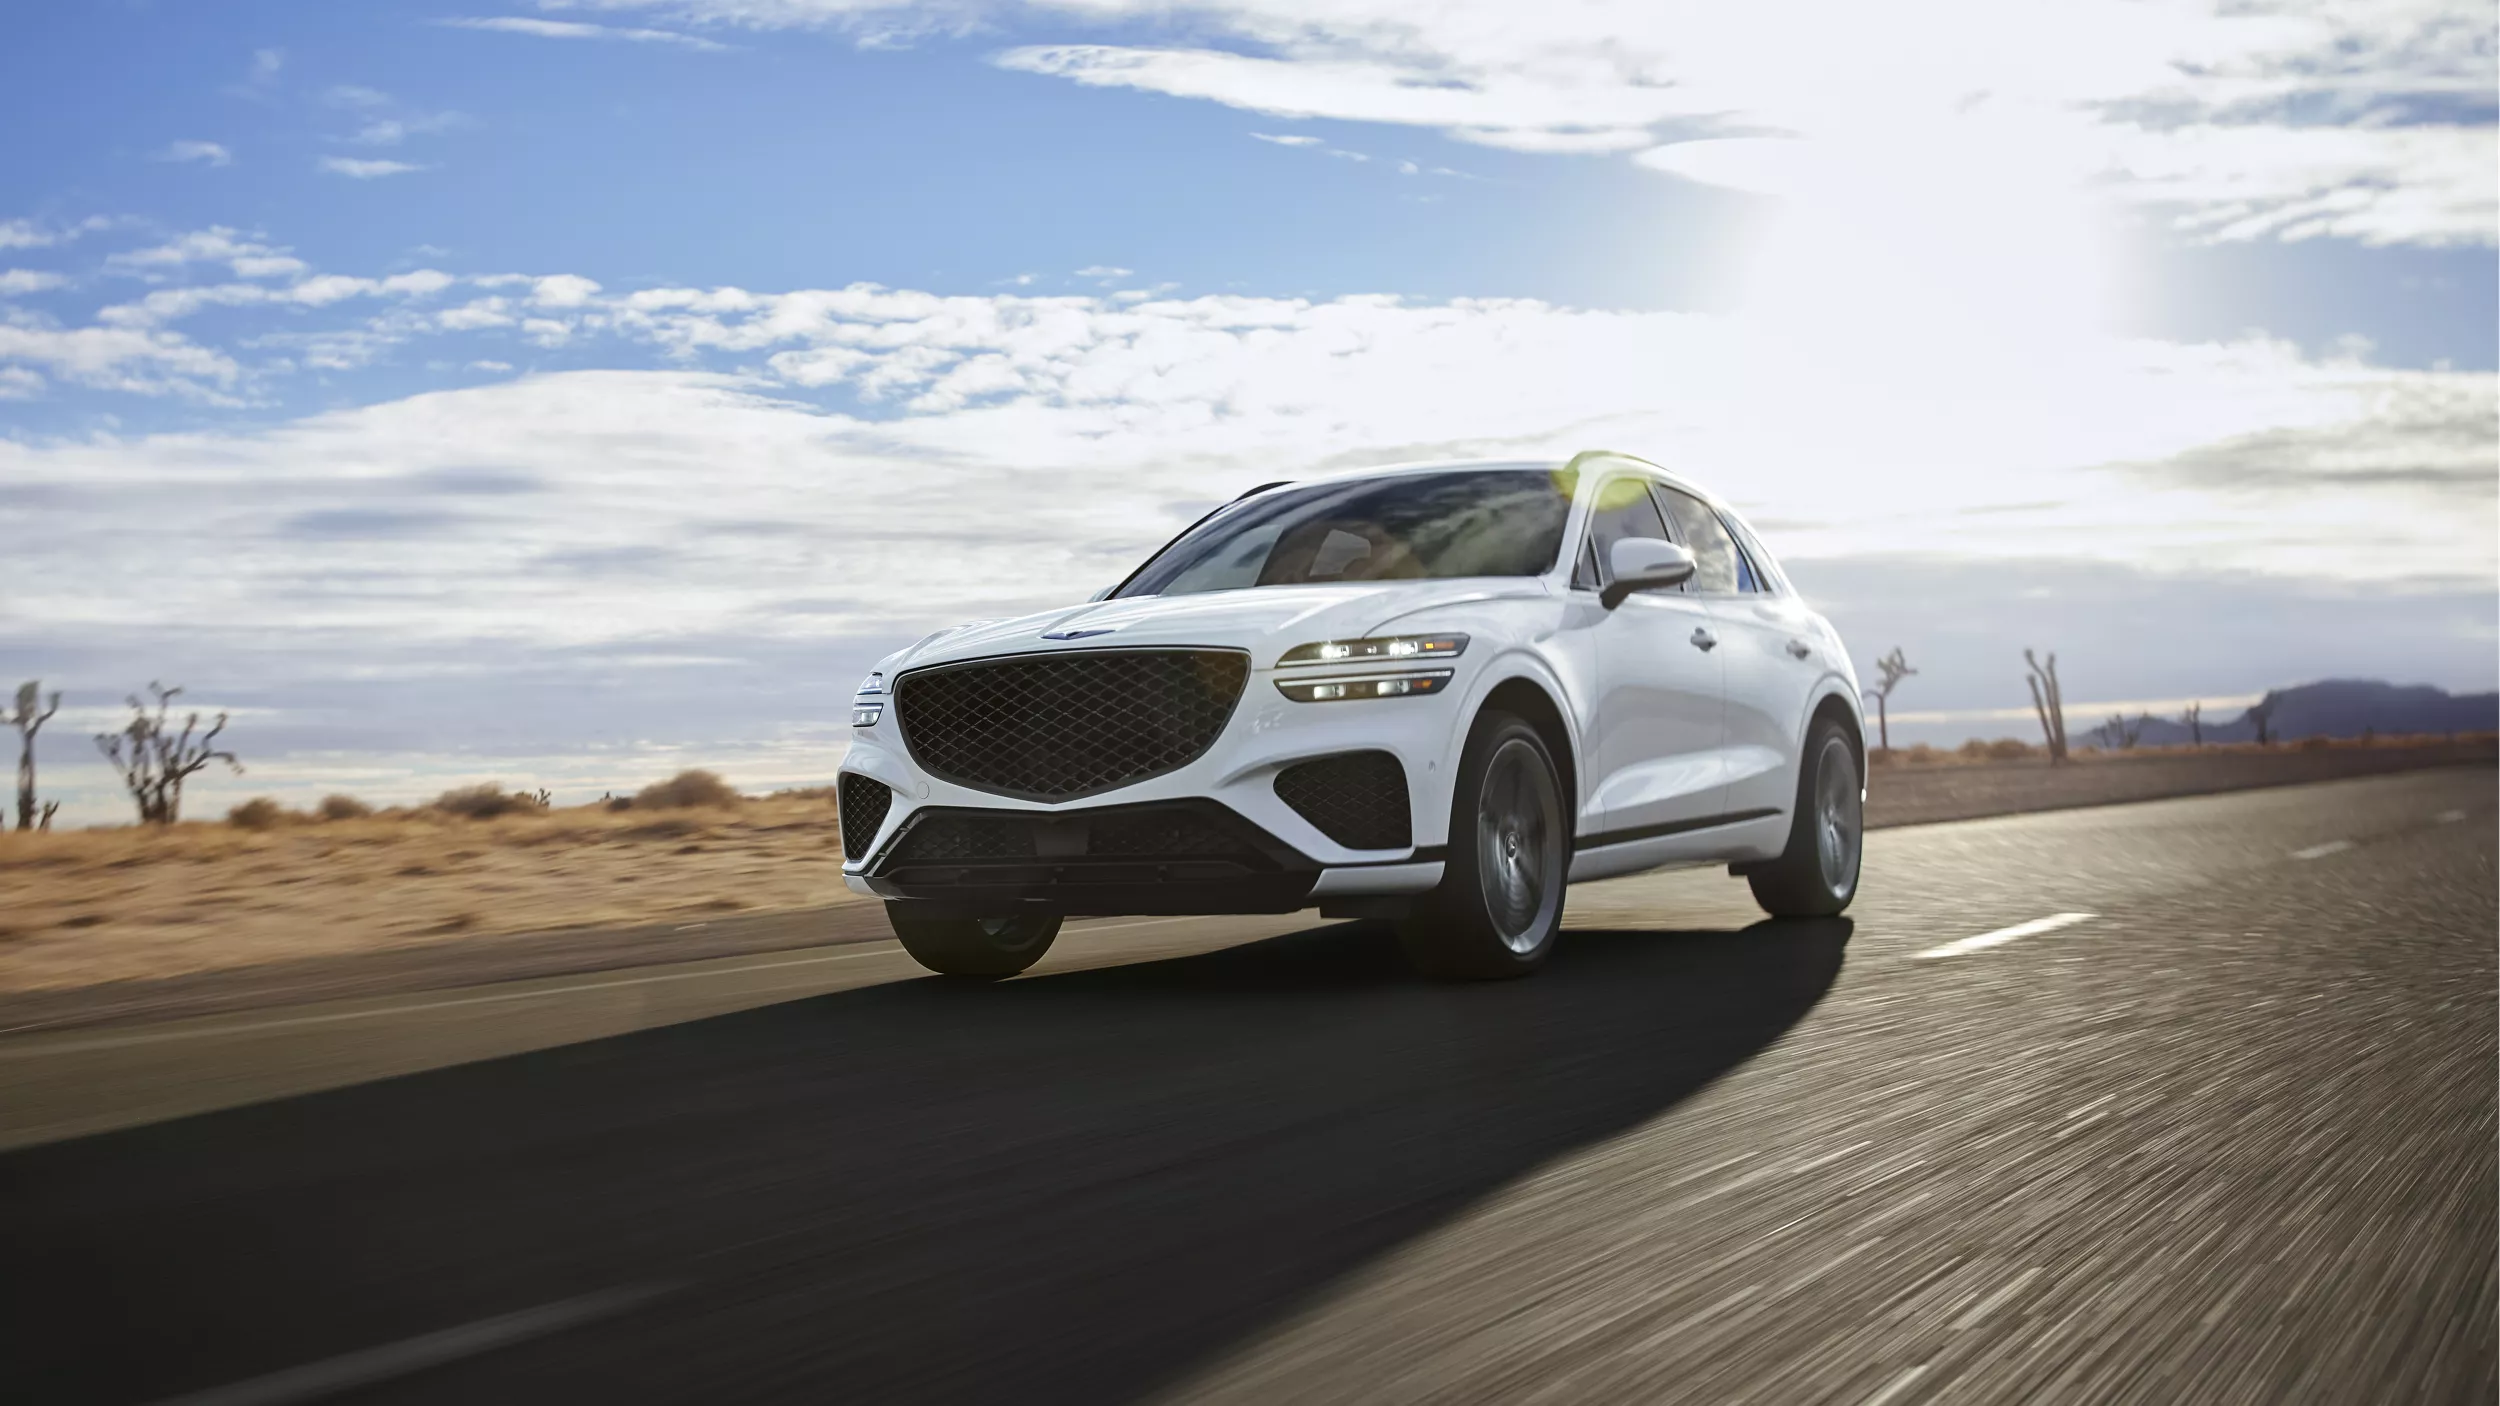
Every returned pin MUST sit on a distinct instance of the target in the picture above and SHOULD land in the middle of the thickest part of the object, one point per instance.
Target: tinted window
(1498, 522)
(1714, 552)
(1623, 509)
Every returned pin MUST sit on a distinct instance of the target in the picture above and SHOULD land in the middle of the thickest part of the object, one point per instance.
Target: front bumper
(1274, 860)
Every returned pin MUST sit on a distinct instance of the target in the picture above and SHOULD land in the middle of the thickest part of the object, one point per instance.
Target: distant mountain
(2333, 708)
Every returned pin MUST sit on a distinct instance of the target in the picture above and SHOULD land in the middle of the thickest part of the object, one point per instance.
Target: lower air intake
(1357, 799)
(864, 804)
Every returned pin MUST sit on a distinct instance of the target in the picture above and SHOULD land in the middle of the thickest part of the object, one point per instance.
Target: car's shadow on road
(1072, 1187)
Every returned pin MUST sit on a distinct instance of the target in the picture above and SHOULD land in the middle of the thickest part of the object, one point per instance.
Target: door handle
(1800, 648)
(1703, 640)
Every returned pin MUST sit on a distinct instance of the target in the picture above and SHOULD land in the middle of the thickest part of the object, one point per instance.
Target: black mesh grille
(944, 837)
(864, 804)
(1357, 799)
(1052, 726)
(952, 838)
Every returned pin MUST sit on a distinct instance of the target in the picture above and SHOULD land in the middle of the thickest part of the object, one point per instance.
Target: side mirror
(1101, 595)
(1644, 564)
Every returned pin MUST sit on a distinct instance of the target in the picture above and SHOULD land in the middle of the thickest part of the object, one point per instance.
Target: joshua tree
(1894, 669)
(2049, 703)
(28, 719)
(2194, 717)
(2261, 713)
(154, 760)
(2119, 733)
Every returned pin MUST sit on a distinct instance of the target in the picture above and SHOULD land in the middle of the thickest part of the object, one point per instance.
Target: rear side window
(1717, 563)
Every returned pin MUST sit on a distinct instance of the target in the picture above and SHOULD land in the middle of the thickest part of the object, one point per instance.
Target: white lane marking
(376, 1364)
(1896, 1386)
(2449, 817)
(1995, 1301)
(2033, 928)
(158, 1037)
(2322, 851)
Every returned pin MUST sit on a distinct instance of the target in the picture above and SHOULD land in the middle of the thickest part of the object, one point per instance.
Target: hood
(1267, 620)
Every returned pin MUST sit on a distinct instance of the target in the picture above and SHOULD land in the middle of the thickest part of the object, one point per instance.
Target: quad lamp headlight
(1385, 649)
(868, 704)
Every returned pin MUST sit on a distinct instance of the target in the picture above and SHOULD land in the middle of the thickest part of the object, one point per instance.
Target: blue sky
(375, 369)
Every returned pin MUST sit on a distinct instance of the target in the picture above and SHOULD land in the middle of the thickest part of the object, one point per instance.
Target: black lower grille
(1056, 726)
(864, 804)
(1159, 832)
(1357, 799)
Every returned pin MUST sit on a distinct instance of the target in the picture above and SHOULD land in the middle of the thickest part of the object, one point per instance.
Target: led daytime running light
(1379, 686)
(1381, 650)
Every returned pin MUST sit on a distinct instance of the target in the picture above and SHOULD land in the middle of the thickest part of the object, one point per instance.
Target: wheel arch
(1528, 700)
(1835, 705)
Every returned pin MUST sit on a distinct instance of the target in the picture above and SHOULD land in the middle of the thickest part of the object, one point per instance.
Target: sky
(560, 394)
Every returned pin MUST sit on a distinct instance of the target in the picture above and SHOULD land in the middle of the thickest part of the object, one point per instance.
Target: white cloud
(1290, 140)
(20, 383)
(571, 29)
(18, 282)
(141, 361)
(249, 258)
(209, 152)
(2276, 119)
(365, 170)
(563, 290)
(29, 234)
(493, 367)
(351, 95)
(391, 131)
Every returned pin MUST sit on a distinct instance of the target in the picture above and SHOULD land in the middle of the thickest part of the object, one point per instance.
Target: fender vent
(1357, 799)
(864, 804)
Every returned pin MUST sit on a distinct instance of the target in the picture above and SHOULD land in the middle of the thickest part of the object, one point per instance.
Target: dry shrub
(1920, 755)
(258, 813)
(2316, 744)
(488, 801)
(342, 808)
(687, 788)
(675, 827)
(1973, 750)
(2008, 749)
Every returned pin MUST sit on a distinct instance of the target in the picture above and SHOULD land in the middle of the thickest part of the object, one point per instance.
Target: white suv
(1429, 694)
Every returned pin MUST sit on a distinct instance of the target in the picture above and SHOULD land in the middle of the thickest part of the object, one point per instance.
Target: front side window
(1405, 527)
(1623, 509)
(1715, 559)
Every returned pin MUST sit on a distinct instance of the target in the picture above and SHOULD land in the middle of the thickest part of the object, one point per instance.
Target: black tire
(976, 949)
(1817, 875)
(1500, 903)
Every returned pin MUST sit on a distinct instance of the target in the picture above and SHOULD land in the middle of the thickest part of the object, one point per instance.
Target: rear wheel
(983, 949)
(1817, 875)
(1499, 906)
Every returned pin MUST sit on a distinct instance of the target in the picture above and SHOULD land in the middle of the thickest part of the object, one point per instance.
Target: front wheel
(1817, 875)
(1499, 906)
(980, 949)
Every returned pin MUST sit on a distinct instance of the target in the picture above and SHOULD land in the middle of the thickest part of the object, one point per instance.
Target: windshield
(1410, 527)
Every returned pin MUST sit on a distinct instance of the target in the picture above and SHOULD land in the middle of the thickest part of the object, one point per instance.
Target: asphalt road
(2185, 1101)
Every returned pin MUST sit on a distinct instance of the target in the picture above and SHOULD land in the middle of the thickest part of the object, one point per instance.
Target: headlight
(1347, 690)
(1385, 649)
(873, 686)
(869, 704)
